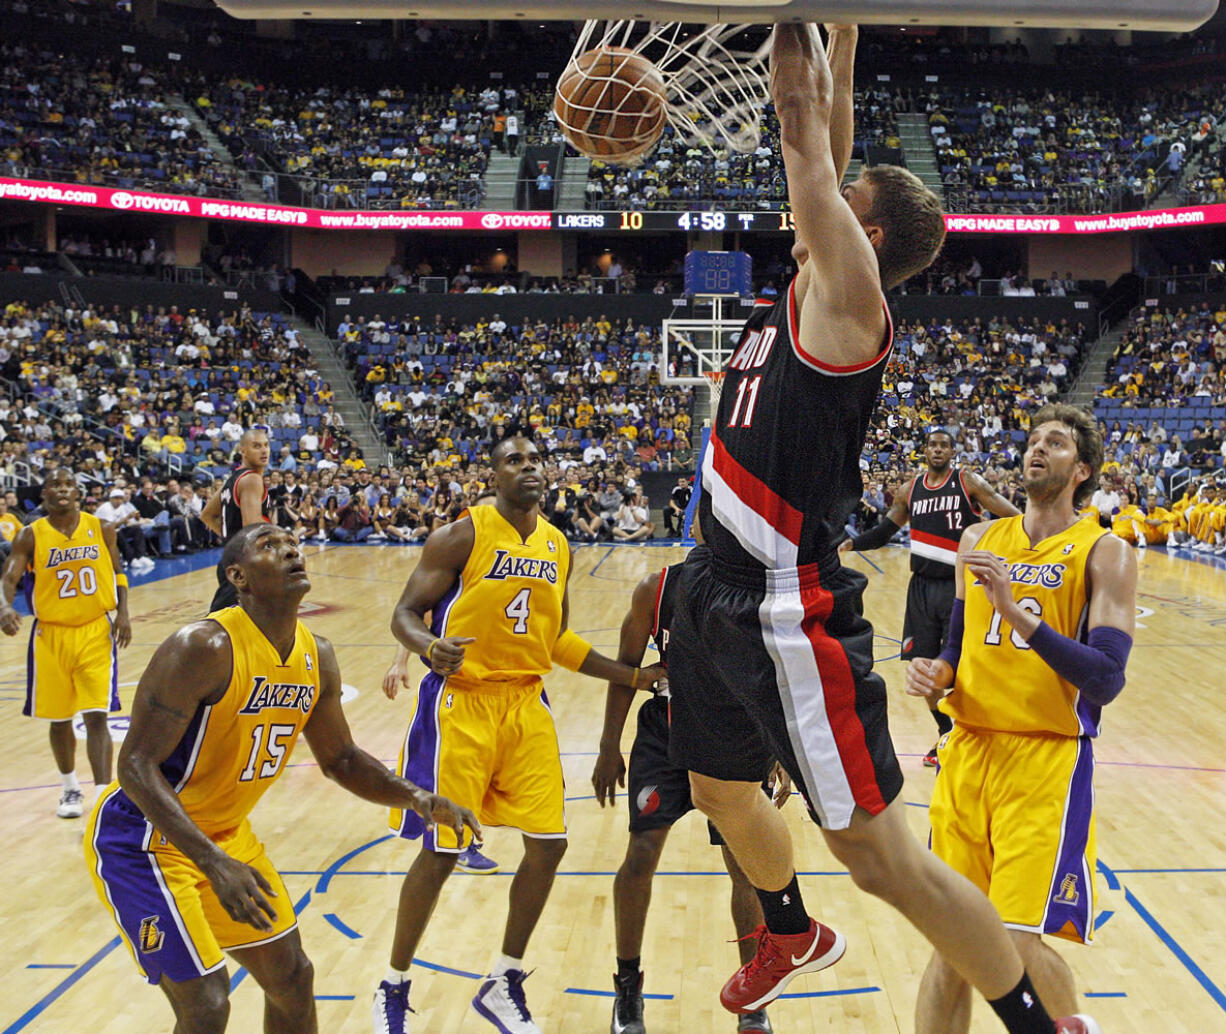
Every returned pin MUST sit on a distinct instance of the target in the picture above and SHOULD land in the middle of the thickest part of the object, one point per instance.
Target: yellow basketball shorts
(71, 668)
(1015, 815)
(166, 909)
(495, 751)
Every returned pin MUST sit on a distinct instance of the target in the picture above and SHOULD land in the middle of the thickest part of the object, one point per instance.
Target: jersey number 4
(275, 746)
(519, 610)
(1028, 604)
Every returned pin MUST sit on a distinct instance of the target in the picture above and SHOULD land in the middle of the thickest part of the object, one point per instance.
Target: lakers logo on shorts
(1068, 894)
(151, 937)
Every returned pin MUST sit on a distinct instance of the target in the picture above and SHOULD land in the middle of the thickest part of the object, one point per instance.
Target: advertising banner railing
(338, 219)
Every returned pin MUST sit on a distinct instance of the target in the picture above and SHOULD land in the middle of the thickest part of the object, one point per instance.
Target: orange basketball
(611, 104)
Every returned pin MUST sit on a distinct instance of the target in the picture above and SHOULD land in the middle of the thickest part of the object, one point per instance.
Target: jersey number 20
(86, 582)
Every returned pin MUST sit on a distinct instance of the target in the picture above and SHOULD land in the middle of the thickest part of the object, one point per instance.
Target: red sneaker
(930, 759)
(1079, 1024)
(781, 957)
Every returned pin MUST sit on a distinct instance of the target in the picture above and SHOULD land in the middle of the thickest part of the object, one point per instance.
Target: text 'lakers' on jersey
(1001, 683)
(74, 579)
(509, 599)
(234, 750)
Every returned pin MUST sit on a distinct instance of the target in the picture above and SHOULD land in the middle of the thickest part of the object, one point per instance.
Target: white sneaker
(72, 804)
(390, 1012)
(501, 1001)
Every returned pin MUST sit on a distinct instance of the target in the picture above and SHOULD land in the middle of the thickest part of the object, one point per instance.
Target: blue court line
(240, 974)
(445, 969)
(1160, 872)
(1214, 991)
(340, 925)
(832, 994)
(511, 872)
(39, 1007)
(325, 878)
(51, 965)
(608, 553)
(609, 994)
(1106, 994)
(1108, 873)
(870, 563)
(334, 998)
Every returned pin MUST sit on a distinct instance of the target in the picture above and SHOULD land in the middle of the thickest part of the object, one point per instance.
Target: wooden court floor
(1159, 964)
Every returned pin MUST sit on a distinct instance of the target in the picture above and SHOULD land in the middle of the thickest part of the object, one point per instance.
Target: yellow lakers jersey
(234, 750)
(73, 577)
(1001, 683)
(509, 599)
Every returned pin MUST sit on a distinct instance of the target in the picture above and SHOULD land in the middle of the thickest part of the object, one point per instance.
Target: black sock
(1021, 1011)
(944, 722)
(783, 910)
(628, 970)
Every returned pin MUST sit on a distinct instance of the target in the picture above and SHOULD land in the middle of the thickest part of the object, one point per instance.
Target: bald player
(243, 500)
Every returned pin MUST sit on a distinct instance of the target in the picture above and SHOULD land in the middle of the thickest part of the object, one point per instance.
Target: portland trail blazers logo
(648, 800)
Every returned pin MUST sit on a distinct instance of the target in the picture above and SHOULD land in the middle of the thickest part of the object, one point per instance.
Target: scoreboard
(713, 221)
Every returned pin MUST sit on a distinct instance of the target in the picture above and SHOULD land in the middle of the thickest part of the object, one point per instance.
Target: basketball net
(716, 381)
(716, 85)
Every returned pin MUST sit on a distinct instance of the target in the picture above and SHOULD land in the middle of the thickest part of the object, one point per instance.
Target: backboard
(1155, 15)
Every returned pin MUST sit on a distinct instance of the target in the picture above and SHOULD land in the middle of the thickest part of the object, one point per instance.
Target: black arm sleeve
(876, 537)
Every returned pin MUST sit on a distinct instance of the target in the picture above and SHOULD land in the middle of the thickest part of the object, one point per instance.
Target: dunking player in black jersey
(242, 500)
(770, 655)
(659, 795)
(939, 505)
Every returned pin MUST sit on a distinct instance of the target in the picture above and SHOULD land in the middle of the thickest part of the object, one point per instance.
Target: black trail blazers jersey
(782, 472)
(231, 512)
(939, 515)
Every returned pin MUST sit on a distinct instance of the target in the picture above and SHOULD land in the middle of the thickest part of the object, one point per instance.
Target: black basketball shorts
(659, 791)
(778, 664)
(926, 624)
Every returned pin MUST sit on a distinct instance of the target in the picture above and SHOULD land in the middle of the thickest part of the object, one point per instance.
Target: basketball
(611, 104)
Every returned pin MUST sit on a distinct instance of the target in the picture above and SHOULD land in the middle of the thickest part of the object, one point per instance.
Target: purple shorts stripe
(28, 707)
(145, 911)
(114, 671)
(421, 751)
(1071, 898)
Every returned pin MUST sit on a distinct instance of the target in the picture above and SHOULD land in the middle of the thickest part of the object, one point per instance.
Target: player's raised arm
(442, 559)
(841, 55)
(191, 668)
(610, 769)
(348, 765)
(987, 497)
(842, 320)
(14, 569)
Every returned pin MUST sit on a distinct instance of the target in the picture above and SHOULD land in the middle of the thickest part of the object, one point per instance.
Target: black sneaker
(754, 1023)
(628, 1007)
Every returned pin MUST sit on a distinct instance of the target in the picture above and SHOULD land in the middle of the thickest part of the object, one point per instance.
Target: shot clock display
(719, 272)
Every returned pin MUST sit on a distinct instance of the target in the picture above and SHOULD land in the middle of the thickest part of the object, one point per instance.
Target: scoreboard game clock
(719, 272)
(714, 221)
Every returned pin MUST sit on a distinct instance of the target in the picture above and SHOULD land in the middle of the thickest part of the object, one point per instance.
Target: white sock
(396, 976)
(504, 963)
(69, 779)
